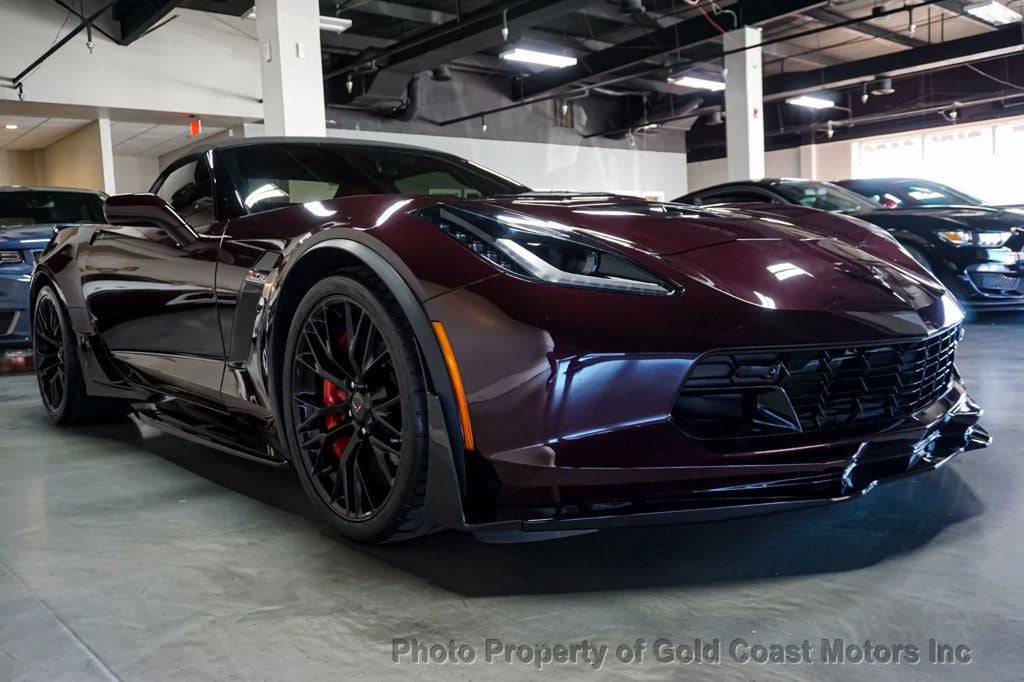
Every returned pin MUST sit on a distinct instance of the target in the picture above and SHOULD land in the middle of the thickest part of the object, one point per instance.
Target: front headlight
(11, 257)
(988, 240)
(542, 250)
(993, 240)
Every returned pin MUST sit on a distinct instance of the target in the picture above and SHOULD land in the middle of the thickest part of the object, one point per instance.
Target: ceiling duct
(394, 65)
(882, 86)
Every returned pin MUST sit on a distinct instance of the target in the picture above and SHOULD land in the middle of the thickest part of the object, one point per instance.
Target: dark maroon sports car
(431, 345)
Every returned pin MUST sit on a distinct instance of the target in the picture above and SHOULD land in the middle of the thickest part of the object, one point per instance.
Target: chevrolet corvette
(430, 345)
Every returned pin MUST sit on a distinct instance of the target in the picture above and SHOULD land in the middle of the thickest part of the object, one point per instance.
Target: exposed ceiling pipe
(664, 114)
(16, 81)
(412, 103)
(634, 74)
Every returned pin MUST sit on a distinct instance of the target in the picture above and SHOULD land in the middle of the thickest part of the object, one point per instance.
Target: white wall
(194, 64)
(552, 166)
(830, 161)
(75, 160)
(20, 167)
(783, 163)
(135, 173)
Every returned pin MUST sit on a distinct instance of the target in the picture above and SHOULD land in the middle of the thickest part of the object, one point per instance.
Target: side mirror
(148, 210)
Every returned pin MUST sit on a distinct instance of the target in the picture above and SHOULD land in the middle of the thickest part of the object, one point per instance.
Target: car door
(151, 293)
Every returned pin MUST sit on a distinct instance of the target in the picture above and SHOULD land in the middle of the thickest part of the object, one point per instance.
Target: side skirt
(204, 430)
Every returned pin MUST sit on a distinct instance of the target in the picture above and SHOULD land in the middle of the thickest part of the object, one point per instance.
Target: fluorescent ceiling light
(811, 102)
(11, 126)
(698, 83)
(534, 57)
(335, 24)
(331, 24)
(993, 12)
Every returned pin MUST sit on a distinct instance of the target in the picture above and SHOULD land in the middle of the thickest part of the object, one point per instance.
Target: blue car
(28, 219)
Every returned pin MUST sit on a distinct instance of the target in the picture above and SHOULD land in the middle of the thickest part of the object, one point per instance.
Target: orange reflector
(195, 128)
(460, 392)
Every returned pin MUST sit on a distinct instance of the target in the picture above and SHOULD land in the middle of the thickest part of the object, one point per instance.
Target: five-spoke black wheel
(48, 349)
(58, 370)
(356, 408)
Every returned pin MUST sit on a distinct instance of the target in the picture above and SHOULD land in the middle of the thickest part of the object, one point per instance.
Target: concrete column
(744, 105)
(808, 161)
(106, 155)
(293, 83)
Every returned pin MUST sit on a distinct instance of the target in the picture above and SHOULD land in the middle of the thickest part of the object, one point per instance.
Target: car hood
(653, 228)
(783, 260)
(946, 217)
(27, 238)
(809, 275)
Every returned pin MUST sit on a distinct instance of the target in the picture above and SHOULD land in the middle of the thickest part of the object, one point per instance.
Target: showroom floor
(128, 555)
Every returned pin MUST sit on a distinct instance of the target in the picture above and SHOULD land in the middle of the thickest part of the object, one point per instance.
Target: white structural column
(744, 105)
(106, 154)
(293, 83)
(809, 161)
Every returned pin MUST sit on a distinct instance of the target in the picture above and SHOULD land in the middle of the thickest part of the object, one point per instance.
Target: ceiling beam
(799, 53)
(657, 44)
(138, 16)
(929, 57)
(381, 75)
(826, 15)
(395, 10)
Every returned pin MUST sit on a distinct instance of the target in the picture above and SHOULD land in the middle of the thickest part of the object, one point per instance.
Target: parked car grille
(997, 282)
(827, 387)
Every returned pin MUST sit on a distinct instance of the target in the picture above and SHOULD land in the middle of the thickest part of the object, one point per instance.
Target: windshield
(927, 193)
(44, 207)
(281, 175)
(822, 195)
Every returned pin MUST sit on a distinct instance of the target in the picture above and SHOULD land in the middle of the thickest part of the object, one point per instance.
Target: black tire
(58, 370)
(332, 459)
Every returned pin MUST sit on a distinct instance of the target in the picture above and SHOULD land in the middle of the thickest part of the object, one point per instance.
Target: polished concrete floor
(133, 555)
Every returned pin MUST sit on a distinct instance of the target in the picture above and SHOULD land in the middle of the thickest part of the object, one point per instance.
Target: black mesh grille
(997, 282)
(837, 387)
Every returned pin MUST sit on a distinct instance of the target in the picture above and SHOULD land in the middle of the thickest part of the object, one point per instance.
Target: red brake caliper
(335, 395)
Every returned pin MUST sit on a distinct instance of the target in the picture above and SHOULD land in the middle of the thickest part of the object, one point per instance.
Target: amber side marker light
(460, 391)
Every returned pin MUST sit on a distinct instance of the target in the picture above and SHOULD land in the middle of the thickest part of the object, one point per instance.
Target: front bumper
(15, 328)
(995, 281)
(783, 478)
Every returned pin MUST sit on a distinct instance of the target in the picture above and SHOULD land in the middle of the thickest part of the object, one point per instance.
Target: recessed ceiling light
(698, 83)
(534, 57)
(11, 126)
(993, 12)
(811, 102)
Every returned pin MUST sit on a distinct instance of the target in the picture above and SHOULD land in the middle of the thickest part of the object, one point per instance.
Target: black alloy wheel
(356, 415)
(48, 350)
(59, 371)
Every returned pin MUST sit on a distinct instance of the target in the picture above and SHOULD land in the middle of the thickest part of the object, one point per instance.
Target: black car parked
(912, 193)
(976, 251)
